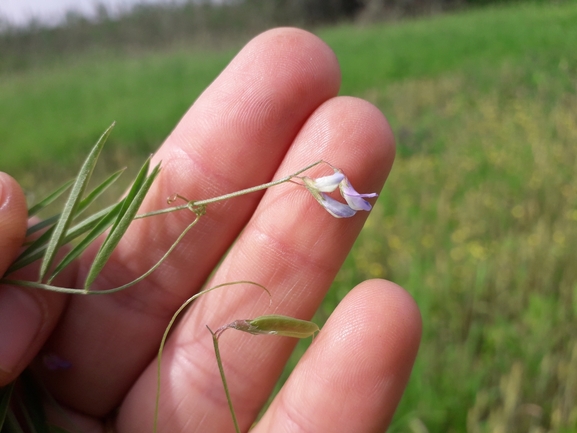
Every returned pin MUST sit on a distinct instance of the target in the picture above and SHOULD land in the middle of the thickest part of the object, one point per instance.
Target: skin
(273, 110)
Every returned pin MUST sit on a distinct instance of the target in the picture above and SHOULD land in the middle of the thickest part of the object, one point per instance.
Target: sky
(19, 12)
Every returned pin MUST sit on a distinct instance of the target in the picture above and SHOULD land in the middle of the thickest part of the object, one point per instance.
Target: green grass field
(479, 217)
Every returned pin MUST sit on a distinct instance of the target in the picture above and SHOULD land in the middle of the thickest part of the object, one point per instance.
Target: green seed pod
(277, 325)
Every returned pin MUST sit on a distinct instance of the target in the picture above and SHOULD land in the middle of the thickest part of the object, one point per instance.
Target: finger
(13, 216)
(233, 137)
(355, 372)
(26, 316)
(293, 247)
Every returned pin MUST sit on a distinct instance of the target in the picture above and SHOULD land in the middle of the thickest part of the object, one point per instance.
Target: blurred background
(478, 219)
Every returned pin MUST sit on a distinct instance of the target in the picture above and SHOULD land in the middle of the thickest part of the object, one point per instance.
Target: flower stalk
(268, 325)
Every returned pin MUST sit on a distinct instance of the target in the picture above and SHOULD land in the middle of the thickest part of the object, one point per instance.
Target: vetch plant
(69, 225)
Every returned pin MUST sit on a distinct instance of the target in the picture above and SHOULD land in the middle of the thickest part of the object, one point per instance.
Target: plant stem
(225, 385)
(169, 327)
(208, 201)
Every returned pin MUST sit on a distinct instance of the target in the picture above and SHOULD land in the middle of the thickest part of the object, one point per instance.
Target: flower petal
(353, 198)
(325, 183)
(336, 208)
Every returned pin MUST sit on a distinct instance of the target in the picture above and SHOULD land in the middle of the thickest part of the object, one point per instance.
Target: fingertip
(301, 51)
(13, 220)
(362, 358)
(361, 134)
(382, 321)
(393, 308)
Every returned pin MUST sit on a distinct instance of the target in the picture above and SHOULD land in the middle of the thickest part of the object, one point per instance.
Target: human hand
(272, 111)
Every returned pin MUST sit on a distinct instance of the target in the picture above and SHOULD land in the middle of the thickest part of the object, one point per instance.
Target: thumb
(27, 316)
(15, 306)
(13, 216)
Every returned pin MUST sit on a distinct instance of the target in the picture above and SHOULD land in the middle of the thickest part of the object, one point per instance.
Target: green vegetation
(479, 217)
(51, 115)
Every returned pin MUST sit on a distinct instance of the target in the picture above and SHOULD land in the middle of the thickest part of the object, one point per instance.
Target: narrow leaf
(46, 201)
(36, 250)
(88, 223)
(100, 228)
(131, 205)
(71, 205)
(136, 185)
(42, 286)
(139, 181)
(5, 396)
(42, 224)
(153, 267)
(94, 194)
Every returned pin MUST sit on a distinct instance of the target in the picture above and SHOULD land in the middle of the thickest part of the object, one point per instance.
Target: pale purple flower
(320, 186)
(335, 208)
(325, 183)
(353, 198)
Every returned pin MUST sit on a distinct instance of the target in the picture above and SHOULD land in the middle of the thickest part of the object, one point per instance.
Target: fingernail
(20, 321)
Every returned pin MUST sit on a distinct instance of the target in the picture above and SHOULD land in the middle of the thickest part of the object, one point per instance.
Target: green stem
(162, 211)
(208, 201)
(169, 327)
(223, 377)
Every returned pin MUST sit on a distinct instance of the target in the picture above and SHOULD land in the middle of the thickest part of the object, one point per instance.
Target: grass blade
(71, 206)
(5, 396)
(130, 207)
(46, 201)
